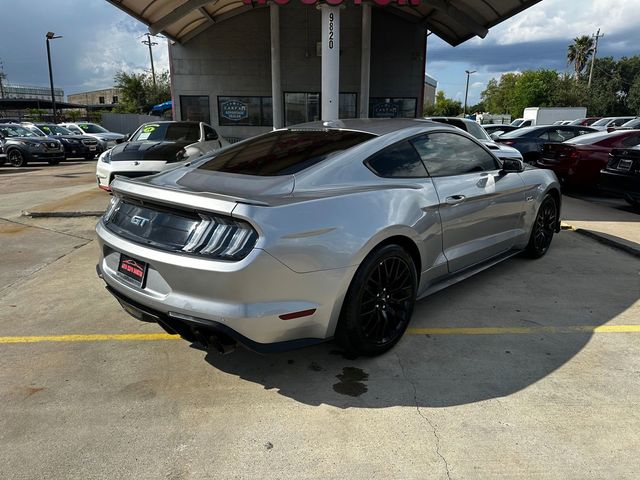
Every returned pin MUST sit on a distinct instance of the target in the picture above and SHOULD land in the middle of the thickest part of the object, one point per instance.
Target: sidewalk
(614, 227)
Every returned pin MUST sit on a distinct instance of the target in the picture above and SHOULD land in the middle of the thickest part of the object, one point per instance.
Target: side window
(209, 133)
(544, 136)
(584, 132)
(554, 135)
(397, 161)
(566, 133)
(619, 121)
(447, 154)
(630, 141)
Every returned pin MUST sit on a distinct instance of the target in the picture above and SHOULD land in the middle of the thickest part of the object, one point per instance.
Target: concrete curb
(605, 239)
(90, 213)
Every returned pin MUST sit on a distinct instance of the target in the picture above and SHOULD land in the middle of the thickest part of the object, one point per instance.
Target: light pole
(51, 36)
(466, 92)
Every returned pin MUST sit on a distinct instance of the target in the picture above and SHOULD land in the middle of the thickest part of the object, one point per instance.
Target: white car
(609, 122)
(155, 147)
(106, 139)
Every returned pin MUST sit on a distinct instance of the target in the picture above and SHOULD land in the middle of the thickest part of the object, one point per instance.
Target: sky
(98, 40)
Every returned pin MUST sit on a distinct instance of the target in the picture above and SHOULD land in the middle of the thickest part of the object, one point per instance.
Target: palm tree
(579, 52)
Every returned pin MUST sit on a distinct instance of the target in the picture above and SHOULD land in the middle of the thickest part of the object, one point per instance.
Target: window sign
(392, 107)
(233, 110)
(245, 111)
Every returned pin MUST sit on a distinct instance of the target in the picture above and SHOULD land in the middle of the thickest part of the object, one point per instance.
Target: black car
(495, 128)
(75, 146)
(531, 140)
(621, 176)
(22, 146)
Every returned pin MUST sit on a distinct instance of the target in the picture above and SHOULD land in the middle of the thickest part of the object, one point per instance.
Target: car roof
(375, 126)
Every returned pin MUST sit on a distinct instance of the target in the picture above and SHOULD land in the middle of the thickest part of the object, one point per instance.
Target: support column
(365, 61)
(276, 81)
(330, 61)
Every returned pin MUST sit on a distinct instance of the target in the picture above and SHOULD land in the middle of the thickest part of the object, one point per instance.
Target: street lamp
(466, 92)
(51, 36)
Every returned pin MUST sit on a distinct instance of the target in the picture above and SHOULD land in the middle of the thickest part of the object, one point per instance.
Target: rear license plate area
(625, 164)
(135, 271)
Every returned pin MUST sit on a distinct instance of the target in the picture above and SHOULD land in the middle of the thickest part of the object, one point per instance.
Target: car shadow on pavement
(447, 370)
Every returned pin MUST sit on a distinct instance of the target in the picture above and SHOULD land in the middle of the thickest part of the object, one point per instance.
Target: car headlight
(71, 141)
(35, 146)
(105, 157)
(223, 238)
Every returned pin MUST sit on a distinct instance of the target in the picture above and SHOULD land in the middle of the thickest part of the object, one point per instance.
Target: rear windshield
(589, 138)
(283, 152)
(520, 132)
(173, 132)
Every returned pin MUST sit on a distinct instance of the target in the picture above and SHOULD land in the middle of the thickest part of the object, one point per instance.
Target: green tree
(444, 107)
(138, 93)
(579, 53)
(633, 99)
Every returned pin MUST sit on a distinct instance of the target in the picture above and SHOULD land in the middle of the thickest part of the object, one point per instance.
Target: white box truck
(548, 115)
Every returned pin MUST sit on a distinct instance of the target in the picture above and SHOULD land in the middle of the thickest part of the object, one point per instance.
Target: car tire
(543, 229)
(54, 162)
(16, 158)
(379, 303)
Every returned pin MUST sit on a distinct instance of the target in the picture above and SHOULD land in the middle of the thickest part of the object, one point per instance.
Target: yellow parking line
(137, 337)
(524, 330)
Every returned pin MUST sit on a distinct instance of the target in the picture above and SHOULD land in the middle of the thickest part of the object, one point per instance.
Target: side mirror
(512, 165)
(211, 136)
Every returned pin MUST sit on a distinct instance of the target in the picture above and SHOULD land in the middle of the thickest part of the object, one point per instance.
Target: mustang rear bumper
(245, 300)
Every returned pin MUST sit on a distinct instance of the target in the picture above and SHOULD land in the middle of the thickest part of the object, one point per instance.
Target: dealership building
(249, 66)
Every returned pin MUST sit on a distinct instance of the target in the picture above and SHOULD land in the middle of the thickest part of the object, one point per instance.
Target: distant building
(430, 87)
(106, 98)
(30, 92)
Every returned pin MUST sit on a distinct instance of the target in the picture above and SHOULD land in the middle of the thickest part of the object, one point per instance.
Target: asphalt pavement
(528, 370)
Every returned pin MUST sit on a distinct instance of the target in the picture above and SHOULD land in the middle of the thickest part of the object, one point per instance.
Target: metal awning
(453, 21)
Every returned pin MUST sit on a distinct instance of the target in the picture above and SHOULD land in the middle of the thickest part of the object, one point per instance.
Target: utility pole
(149, 43)
(466, 92)
(593, 57)
(2, 77)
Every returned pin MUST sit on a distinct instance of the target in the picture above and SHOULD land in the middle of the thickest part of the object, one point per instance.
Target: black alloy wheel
(16, 158)
(379, 303)
(543, 229)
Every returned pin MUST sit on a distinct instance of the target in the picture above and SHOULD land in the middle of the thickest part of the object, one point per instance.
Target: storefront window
(195, 108)
(380, 107)
(245, 111)
(305, 107)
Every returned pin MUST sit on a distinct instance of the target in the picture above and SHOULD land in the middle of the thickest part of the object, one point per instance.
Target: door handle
(455, 199)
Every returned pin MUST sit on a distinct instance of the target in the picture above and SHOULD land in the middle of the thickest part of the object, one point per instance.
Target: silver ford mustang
(320, 231)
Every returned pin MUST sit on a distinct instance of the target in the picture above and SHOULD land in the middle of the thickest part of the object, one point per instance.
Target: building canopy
(453, 21)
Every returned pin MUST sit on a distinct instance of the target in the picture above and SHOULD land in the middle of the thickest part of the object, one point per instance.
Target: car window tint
(630, 141)
(398, 160)
(566, 134)
(619, 121)
(209, 131)
(283, 152)
(544, 136)
(450, 154)
(477, 131)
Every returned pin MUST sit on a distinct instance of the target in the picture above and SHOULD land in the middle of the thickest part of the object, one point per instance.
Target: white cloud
(555, 19)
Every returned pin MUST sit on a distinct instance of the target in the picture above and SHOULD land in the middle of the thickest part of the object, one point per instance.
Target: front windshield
(92, 128)
(635, 123)
(520, 132)
(602, 122)
(171, 132)
(15, 131)
(36, 130)
(52, 129)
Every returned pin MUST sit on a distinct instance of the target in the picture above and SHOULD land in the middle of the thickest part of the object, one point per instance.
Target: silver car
(319, 231)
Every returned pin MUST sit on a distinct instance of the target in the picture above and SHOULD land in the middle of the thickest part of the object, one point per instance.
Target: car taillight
(223, 238)
(114, 203)
(574, 154)
(507, 142)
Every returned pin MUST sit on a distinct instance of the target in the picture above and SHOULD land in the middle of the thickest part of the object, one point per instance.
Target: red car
(578, 161)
